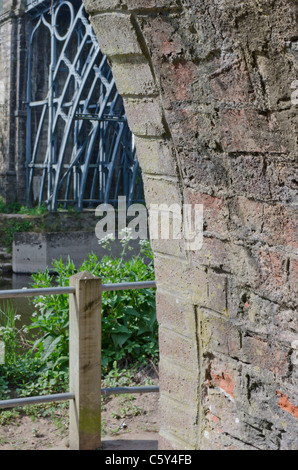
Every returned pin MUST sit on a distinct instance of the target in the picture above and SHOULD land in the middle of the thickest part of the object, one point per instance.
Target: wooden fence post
(85, 362)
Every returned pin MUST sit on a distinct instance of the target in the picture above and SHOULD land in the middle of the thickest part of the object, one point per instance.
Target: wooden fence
(85, 392)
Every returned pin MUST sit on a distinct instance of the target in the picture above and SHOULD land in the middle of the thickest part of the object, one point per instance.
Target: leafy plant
(8, 331)
(129, 327)
(12, 226)
(13, 207)
(16, 208)
(18, 368)
(116, 377)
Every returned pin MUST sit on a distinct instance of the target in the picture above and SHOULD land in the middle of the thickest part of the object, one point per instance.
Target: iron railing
(79, 148)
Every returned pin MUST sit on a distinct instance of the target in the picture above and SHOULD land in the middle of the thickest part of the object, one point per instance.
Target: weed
(16, 208)
(129, 330)
(13, 226)
(129, 327)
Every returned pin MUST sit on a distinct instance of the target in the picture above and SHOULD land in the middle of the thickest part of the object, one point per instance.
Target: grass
(17, 208)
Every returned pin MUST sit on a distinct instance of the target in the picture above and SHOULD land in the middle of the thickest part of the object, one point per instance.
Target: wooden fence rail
(85, 292)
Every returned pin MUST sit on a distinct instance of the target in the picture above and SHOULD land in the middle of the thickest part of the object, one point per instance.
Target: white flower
(107, 238)
(110, 236)
(125, 230)
(17, 317)
(125, 239)
(39, 304)
(125, 235)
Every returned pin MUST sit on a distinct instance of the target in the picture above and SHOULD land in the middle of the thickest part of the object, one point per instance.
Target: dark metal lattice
(80, 150)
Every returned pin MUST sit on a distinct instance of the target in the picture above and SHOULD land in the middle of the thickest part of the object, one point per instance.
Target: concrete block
(36, 251)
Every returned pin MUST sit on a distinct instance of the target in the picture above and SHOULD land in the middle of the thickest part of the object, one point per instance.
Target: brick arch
(121, 39)
(207, 90)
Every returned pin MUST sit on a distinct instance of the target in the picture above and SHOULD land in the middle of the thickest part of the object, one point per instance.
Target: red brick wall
(207, 87)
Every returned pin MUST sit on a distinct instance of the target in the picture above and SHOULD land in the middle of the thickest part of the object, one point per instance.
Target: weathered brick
(286, 323)
(164, 4)
(177, 382)
(219, 335)
(191, 282)
(248, 176)
(285, 404)
(283, 176)
(166, 39)
(217, 293)
(168, 441)
(156, 156)
(145, 116)
(97, 6)
(216, 213)
(180, 72)
(293, 275)
(239, 135)
(161, 191)
(231, 260)
(280, 226)
(231, 84)
(217, 440)
(215, 253)
(266, 354)
(224, 381)
(274, 224)
(178, 348)
(175, 313)
(134, 77)
(179, 420)
(222, 414)
(272, 268)
(116, 34)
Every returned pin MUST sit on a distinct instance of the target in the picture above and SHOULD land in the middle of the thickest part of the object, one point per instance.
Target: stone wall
(209, 94)
(13, 75)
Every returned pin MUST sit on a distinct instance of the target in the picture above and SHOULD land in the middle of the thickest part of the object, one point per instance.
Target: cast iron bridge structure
(79, 148)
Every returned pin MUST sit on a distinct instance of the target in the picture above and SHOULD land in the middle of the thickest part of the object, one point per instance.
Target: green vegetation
(17, 208)
(36, 356)
(17, 225)
(10, 228)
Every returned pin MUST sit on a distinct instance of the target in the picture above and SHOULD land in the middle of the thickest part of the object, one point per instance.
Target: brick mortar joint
(174, 439)
(180, 335)
(199, 350)
(138, 11)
